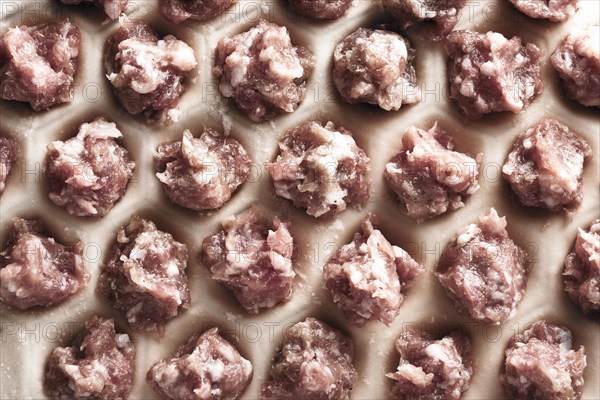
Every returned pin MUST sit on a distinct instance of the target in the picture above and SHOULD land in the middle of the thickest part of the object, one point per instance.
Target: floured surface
(27, 338)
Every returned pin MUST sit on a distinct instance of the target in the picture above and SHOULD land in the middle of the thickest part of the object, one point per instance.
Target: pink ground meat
(207, 367)
(148, 73)
(577, 62)
(88, 173)
(368, 277)
(428, 176)
(9, 151)
(38, 63)
(202, 173)
(315, 362)
(200, 10)
(35, 270)
(112, 8)
(253, 259)
(262, 72)
(320, 9)
(490, 73)
(483, 271)
(545, 166)
(582, 270)
(431, 368)
(554, 10)
(540, 364)
(321, 168)
(145, 277)
(99, 364)
(376, 67)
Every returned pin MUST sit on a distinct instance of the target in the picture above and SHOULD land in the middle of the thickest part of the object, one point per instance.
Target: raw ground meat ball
(148, 73)
(432, 368)
(541, 364)
(545, 166)
(376, 67)
(483, 271)
(206, 367)
(38, 63)
(9, 150)
(368, 277)
(200, 10)
(554, 10)
(99, 364)
(577, 62)
(428, 177)
(315, 362)
(443, 14)
(582, 270)
(35, 270)
(112, 8)
(201, 174)
(144, 277)
(262, 72)
(253, 259)
(490, 73)
(321, 168)
(89, 173)
(320, 9)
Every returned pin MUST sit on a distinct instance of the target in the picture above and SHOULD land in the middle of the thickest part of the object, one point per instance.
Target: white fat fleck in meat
(178, 11)
(553, 10)
(441, 15)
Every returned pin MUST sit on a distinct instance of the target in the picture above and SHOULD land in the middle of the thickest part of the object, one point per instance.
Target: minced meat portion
(206, 367)
(483, 271)
(9, 150)
(320, 9)
(35, 270)
(38, 63)
(145, 276)
(554, 10)
(490, 73)
(321, 168)
(89, 173)
(148, 73)
(262, 71)
(202, 173)
(541, 364)
(376, 67)
(368, 277)
(200, 10)
(428, 176)
(442, 14)
(315, 362)
(577, 62)
(112, 8)
(432, 368)
(545, 166)
(582, 270)
(99, 364)
(253, 259)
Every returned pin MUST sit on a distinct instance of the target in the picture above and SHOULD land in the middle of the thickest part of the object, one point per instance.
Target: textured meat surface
(376, 67)
(38, 63)
(545, 166)
(315, 362)
(200, 10)
(148, 73)
(577, 62)
(262, 72)
(321, 168)
(541, 364)
(202, 173)
(99, 364)
(38, 271)
(483, 271)
(9, 151)
(368, 277)
(443, 14)
(207, 367)
(252, 259)
(428, 176)
(320, 9)
(88, 173)
(490, 73)
(554, 10)
(582, 270)
(112, 8)
(431, 368)
(144, 277)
